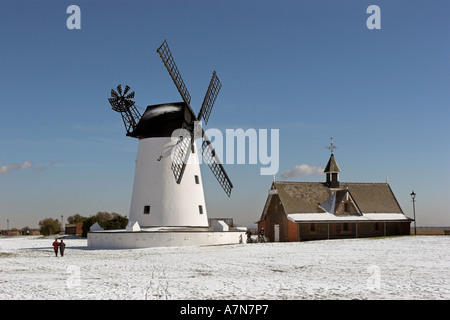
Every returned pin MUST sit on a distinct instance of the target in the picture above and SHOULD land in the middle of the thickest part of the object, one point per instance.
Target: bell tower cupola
(332, 169)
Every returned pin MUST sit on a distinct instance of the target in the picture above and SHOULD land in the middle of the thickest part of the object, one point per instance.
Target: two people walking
(59, 245)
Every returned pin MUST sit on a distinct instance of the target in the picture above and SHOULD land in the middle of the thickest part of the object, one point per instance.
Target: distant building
(298, 211)
(23, 232)
(11, 232)
(74, 228)
(31, 232)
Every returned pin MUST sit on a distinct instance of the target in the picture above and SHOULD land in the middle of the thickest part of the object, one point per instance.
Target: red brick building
(298, 211)
(74, 228)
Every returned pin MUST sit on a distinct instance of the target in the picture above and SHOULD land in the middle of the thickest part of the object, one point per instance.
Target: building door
(276, 232)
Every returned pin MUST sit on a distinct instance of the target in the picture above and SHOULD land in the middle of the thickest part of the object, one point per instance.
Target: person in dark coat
(62, 247)
(262, 235)
(55, 246)
(249, 236)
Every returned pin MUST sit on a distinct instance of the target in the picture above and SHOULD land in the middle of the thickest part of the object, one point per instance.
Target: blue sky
(311, 69)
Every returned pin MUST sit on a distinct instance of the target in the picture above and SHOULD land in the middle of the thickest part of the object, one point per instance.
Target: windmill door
(276, 232)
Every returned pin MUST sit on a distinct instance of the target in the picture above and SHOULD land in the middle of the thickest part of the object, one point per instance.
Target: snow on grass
(413, 267)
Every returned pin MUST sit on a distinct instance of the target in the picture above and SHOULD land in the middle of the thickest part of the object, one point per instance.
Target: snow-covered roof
(313, 201)
(326, 216)
(304, 197)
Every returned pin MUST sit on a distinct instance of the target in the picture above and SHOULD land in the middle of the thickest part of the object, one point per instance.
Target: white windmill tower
(168, 189)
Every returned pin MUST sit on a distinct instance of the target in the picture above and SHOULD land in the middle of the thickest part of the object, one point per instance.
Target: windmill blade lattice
(211, 159)
(168, 61)
(210, 98)
(180, 156)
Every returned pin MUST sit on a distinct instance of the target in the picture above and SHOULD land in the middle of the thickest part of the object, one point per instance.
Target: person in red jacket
(56, 246)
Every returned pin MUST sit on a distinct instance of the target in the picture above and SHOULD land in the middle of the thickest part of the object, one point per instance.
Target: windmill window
(345, 226)
(146, 209)
(200, 209)
(197, 180)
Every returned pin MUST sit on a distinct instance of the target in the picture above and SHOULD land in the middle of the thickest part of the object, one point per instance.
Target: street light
(413, 197)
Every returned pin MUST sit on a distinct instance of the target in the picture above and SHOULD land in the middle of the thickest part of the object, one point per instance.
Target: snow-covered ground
(388, 268)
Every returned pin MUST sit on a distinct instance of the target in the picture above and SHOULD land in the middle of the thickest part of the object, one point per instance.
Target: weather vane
(331, 147)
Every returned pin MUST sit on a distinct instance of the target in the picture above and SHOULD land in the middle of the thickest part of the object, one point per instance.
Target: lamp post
(62, 225)
(413, 197)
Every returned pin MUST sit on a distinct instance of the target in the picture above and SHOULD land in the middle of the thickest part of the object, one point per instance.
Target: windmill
(167, 189)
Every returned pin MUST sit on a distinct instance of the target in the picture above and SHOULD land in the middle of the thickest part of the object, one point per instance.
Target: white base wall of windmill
(162, 212)
(122, 239)
(157, 200)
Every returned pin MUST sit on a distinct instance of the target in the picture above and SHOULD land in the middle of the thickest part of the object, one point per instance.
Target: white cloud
(301, 170)
(14, 166)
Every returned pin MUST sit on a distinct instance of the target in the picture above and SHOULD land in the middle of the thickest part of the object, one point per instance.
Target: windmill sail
(168, 61)
(180, 156)
(214, 163)
(210, 98)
